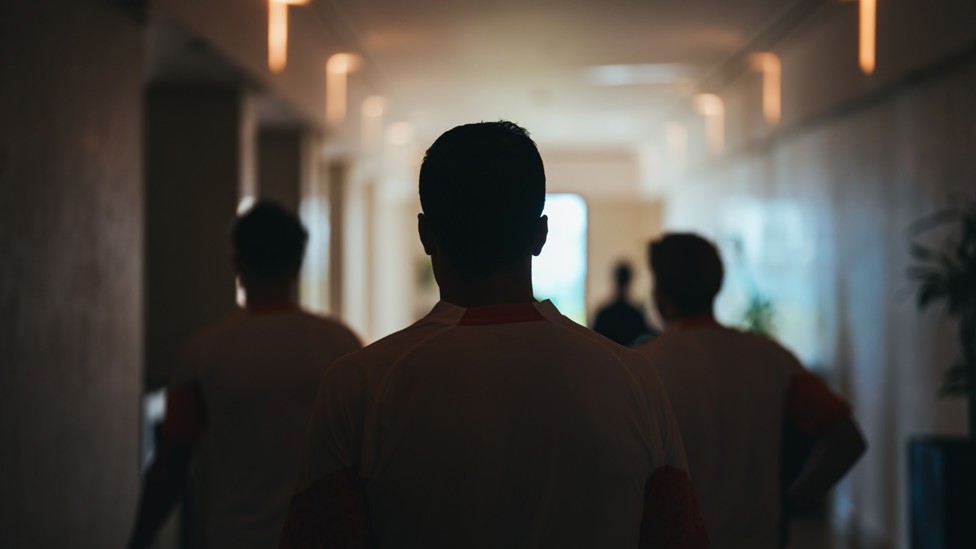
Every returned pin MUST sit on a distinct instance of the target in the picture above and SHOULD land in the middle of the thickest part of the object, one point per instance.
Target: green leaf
(933, 220)
(931, 288)
(954, 382)
(947, 273)
(922, 253)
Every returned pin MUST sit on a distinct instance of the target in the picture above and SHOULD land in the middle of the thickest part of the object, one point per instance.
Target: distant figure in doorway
(494, 421)
(620, 320)
(240, 399)
(733, 394)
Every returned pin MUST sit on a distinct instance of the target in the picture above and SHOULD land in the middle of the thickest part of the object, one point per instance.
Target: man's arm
(330, 513)
(837, 441)
(329, 508)
(165, 481)
(162, 487)
(834, 453)
(671, 517)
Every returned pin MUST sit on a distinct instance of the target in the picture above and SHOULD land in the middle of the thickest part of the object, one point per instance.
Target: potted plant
(943, 469)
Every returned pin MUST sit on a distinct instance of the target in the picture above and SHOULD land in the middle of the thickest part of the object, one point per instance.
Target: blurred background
(803, 136)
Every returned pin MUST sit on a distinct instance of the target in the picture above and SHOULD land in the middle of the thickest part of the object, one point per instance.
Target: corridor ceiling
(575, 72)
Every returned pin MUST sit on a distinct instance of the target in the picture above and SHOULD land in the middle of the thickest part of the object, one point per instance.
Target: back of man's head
(269, 242)
(688, 270)
(482, 189)
(622, 273)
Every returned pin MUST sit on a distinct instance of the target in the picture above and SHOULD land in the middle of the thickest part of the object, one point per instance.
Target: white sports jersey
(245, 391)
(500, 426)
(732, 394)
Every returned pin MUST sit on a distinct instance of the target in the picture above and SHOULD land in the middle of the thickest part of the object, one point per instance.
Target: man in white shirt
(494, 421)
(241, 397)
(733, 393)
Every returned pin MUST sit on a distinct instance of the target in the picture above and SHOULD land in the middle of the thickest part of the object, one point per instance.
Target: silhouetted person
(494, 421)
(732, 393)
(242, 395)
(620, 320)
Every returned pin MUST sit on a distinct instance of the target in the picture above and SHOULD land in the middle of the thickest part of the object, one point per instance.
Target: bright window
(559, 273)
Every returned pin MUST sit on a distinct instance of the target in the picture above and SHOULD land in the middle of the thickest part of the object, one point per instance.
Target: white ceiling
(441, 63)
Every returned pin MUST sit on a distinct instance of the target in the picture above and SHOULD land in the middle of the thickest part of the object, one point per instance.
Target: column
(196, 137)
(337, 172)
(283, 165)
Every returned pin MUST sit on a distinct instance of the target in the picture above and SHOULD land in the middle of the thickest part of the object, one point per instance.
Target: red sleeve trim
(812, 407)
(186, 417)
(500, 313)
(671, 517)
(330, 513)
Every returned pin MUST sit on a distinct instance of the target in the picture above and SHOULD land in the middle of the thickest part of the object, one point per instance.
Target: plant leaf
(954, 382)
(933, 220)
(922, 253)
(932, 287)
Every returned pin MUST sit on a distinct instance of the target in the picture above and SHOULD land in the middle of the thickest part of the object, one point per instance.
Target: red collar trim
(500, 313)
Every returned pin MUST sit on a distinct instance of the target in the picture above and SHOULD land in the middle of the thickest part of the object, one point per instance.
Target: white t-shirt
(500, 426)
(245, 391)
(732, 393)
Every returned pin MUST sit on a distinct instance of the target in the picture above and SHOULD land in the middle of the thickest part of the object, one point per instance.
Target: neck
(508, 286)
(271, 297)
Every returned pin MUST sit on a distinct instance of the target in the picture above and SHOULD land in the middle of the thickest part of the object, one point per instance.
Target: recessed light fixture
(771, 68)
(630, 75)
(278, 32)
(712, 107)
(337, 68)
(868, 34)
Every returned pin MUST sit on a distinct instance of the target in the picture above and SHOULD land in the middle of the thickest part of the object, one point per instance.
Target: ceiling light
(712, 107)
(771, 68)
(372, 111)
(337, 68)
(868, 34)
(628, 75)
(278, 32)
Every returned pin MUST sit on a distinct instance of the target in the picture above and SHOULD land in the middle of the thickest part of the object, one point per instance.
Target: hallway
(806, 138)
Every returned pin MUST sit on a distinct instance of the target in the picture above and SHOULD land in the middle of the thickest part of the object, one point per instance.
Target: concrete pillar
(337, 173)
(196, 142)
(71, 221)
(283, 165)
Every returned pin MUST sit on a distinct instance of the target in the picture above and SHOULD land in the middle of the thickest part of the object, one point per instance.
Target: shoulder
(213, 336)
(331, 327)
(202, 346)
(389, 350)
(767, 350)
(227, 325)
(666, 344)
(634, 308)
(575, 331)
(636, 366)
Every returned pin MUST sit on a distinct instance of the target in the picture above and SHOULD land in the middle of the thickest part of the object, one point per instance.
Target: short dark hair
(269, 241)
(687, 268)
(482, 189)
